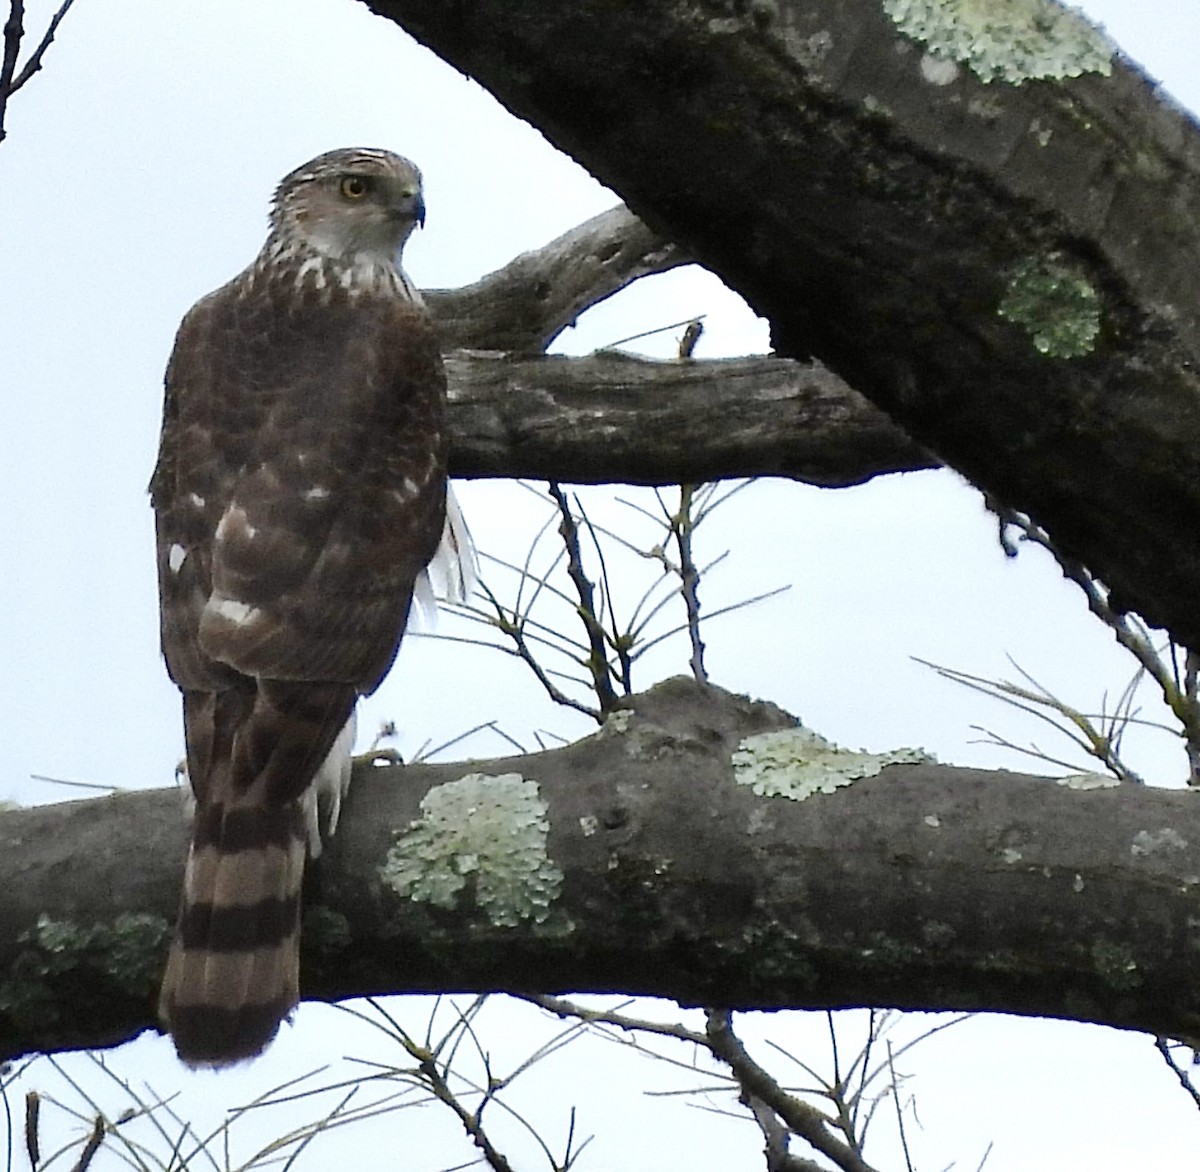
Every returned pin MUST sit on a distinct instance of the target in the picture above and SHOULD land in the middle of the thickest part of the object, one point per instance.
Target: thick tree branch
(915, 229)
(612, 417)
(925, 887)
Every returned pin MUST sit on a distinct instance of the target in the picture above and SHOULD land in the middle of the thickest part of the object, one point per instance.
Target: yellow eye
(354, 187)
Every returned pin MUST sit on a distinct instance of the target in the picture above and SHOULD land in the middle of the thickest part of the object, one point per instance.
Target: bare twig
(806, 1121)
(597, 662)
(687, 344)
(1101, 742)
(33, 1110)
(92, 1146)
(1164, 1047)
(10, 80)
(779, 1159)
(682, 527)
(1128, 629)
(895, 1089)
(14, 30)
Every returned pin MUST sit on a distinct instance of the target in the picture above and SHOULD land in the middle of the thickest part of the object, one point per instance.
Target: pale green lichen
(797, 763)
(486, 831)
(1086, 781)
(617, 721)
(1055, 303)
(123, 955)
(1006, 40)
(1010, 854)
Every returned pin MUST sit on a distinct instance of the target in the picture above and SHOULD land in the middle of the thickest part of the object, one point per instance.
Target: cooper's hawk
(300, 491)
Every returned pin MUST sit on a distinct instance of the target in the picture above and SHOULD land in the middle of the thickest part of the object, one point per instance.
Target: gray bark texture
(924, 887)
(879, 209)
(611, 417)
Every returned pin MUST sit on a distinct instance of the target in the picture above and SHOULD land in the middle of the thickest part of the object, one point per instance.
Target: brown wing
(300, 490)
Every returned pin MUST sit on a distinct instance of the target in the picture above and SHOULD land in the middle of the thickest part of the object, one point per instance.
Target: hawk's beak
(418, 210)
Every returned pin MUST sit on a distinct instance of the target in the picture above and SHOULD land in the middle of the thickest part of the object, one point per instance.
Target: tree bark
(895, 216)
(611, 417)
(925, 887)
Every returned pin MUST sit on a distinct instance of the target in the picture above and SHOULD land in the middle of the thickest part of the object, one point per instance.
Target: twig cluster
(584, 653)
(851, 1094)
(1175, 669)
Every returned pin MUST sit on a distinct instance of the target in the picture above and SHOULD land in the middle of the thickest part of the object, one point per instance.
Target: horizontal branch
(612, 417)
(925, 887)
(1009, 271)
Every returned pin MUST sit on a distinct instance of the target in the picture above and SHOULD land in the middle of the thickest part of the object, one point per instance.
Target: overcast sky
(135, 178)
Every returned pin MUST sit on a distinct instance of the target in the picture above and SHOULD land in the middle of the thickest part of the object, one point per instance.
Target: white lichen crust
(489, 831)
(797, 763)
(1006, 40)
(1087, 781)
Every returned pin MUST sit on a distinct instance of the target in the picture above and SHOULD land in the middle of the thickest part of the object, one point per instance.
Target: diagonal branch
(523, 306)
(1009, 270)
(801, 1117)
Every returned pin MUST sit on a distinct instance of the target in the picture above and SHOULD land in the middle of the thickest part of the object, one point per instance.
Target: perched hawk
(299, 493)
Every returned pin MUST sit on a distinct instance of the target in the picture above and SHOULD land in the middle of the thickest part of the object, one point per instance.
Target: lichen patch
(1013, 41)
(797, 763)
(1086, 781)
(1053, 301)
(487, 831)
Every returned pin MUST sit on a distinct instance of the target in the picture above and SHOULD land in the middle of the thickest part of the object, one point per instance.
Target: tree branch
(612, 417)
(14, 31)
(525, 305)
(10, 80)
(802, 1118)
(926, 887)
(1010, 271)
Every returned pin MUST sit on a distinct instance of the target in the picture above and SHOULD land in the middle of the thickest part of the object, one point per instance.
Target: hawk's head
(356, 204)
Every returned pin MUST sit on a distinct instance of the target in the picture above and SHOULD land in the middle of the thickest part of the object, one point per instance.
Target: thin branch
(35, 61)
(806, 1121)
(1163, 1046)
(10, 80)
(92, 1146)
(1128, 629)
(779, 1159)
(33, 1110)
(597, 662)
(14, 30)
(895, 1089)
(682, 527)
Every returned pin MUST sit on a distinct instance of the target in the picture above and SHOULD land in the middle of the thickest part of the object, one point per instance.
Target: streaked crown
(351, 205)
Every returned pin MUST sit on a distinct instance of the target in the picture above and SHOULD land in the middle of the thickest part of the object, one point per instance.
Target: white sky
(135, 178)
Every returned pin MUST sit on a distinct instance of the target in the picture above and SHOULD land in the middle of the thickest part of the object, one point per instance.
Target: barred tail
(233, 971)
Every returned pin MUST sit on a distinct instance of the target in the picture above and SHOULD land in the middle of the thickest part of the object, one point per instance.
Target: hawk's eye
(354, 186)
